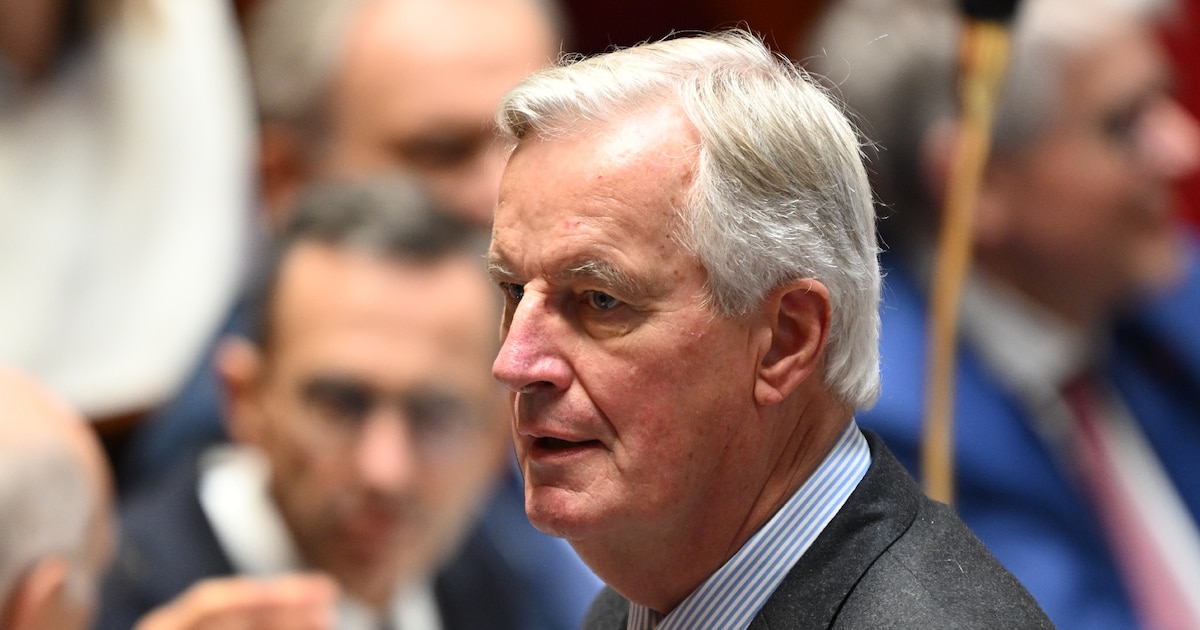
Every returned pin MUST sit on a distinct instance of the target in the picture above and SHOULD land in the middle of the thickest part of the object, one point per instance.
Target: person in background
(359, 88)
(56, 525)
(353, 87)
(1078, 318)
(367, 434)
(126, 188)
(686, 245)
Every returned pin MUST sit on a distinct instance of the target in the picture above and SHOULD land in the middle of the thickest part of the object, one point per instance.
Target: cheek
(1084, 183)
(673, 401)
(308, 480)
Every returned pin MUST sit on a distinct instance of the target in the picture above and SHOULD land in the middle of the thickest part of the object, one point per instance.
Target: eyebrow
(582, 269)
(498, 268)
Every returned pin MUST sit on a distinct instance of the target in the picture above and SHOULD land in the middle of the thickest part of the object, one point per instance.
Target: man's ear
(798, 313)
(939, 154)
(283, 169)
(32, 602)
(239, 365)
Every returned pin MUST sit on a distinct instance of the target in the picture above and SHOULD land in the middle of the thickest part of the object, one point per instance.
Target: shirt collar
(235, 498)
(730, 597)
(1025, 344)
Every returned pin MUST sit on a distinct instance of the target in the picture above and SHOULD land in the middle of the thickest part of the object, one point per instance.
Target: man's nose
(386, 455)
(532, 354)
(1171, 142)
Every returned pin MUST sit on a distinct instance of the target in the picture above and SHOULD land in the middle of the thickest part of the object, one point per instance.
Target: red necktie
(1157, 598)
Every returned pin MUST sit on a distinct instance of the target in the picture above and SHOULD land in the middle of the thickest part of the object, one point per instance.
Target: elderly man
(56, 530)
(1078, 323)
(367, 433)
(686, 245)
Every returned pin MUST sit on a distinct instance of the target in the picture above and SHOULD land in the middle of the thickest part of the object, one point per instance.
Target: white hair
(45, 508)
(780, 193)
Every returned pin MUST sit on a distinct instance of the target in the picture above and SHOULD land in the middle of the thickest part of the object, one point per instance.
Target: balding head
(55, 509)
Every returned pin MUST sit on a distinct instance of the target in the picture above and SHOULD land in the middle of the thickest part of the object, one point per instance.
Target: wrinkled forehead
(631, 176)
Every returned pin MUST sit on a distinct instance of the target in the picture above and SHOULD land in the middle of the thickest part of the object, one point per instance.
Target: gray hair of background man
(894, 64)
(294, 47)
(780, 191)
(46, 504)
(388, 216)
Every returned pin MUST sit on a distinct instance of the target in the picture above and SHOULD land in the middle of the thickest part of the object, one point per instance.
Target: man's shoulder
(938, 574)
(892, 558)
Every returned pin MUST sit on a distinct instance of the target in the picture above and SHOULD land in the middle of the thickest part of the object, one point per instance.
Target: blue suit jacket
(1012, 490)
(167, 545)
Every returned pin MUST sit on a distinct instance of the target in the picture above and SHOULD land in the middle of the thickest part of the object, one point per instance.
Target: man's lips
(369, 534)
(558, 444)
(551, 448)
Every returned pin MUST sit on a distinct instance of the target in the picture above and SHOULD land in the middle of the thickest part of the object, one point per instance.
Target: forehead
(615, 190)
(365, 308)
(1125, 63)
(442, 57)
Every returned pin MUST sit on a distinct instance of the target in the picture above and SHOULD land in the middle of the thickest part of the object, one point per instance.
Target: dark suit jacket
(167, 545)
(890, 558)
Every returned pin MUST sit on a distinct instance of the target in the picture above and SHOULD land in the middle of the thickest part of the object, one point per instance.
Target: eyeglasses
(436, 420)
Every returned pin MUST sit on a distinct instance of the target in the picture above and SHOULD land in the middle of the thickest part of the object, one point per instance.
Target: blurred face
(419, 86)
(375, 409)
(1089, 206)
(633, 403)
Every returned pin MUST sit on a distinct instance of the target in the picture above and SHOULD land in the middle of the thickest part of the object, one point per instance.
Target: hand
(293, 602)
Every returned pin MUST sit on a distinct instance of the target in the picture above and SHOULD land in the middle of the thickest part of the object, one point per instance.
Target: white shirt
(126, 188)
(235, 498)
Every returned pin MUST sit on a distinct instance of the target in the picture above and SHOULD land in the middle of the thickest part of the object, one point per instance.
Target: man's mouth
(556, 444)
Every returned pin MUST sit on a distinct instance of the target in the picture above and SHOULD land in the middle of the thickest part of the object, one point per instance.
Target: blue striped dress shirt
(729, 598)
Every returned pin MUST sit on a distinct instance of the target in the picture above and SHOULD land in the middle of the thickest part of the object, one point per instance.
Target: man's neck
(659, 566)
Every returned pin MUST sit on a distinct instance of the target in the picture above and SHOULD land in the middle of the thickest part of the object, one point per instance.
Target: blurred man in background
(367, 434)
(1077, 322)
(356, 88)
(353, 87)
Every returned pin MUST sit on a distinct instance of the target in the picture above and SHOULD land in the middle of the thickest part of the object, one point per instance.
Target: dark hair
(390, 217)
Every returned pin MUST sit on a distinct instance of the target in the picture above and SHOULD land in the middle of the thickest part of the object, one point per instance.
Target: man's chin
(368, 570)
(561, 513)
(1159, 266)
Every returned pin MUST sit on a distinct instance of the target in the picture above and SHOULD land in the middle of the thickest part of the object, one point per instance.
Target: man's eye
(513, 291)
(602, 301)
(339, 403)
(432, 416)
(441, 152)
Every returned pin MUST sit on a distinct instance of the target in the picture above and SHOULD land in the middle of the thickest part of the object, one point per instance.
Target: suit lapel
(877, 513)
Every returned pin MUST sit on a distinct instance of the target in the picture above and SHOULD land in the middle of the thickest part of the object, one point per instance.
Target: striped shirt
(729, 598)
